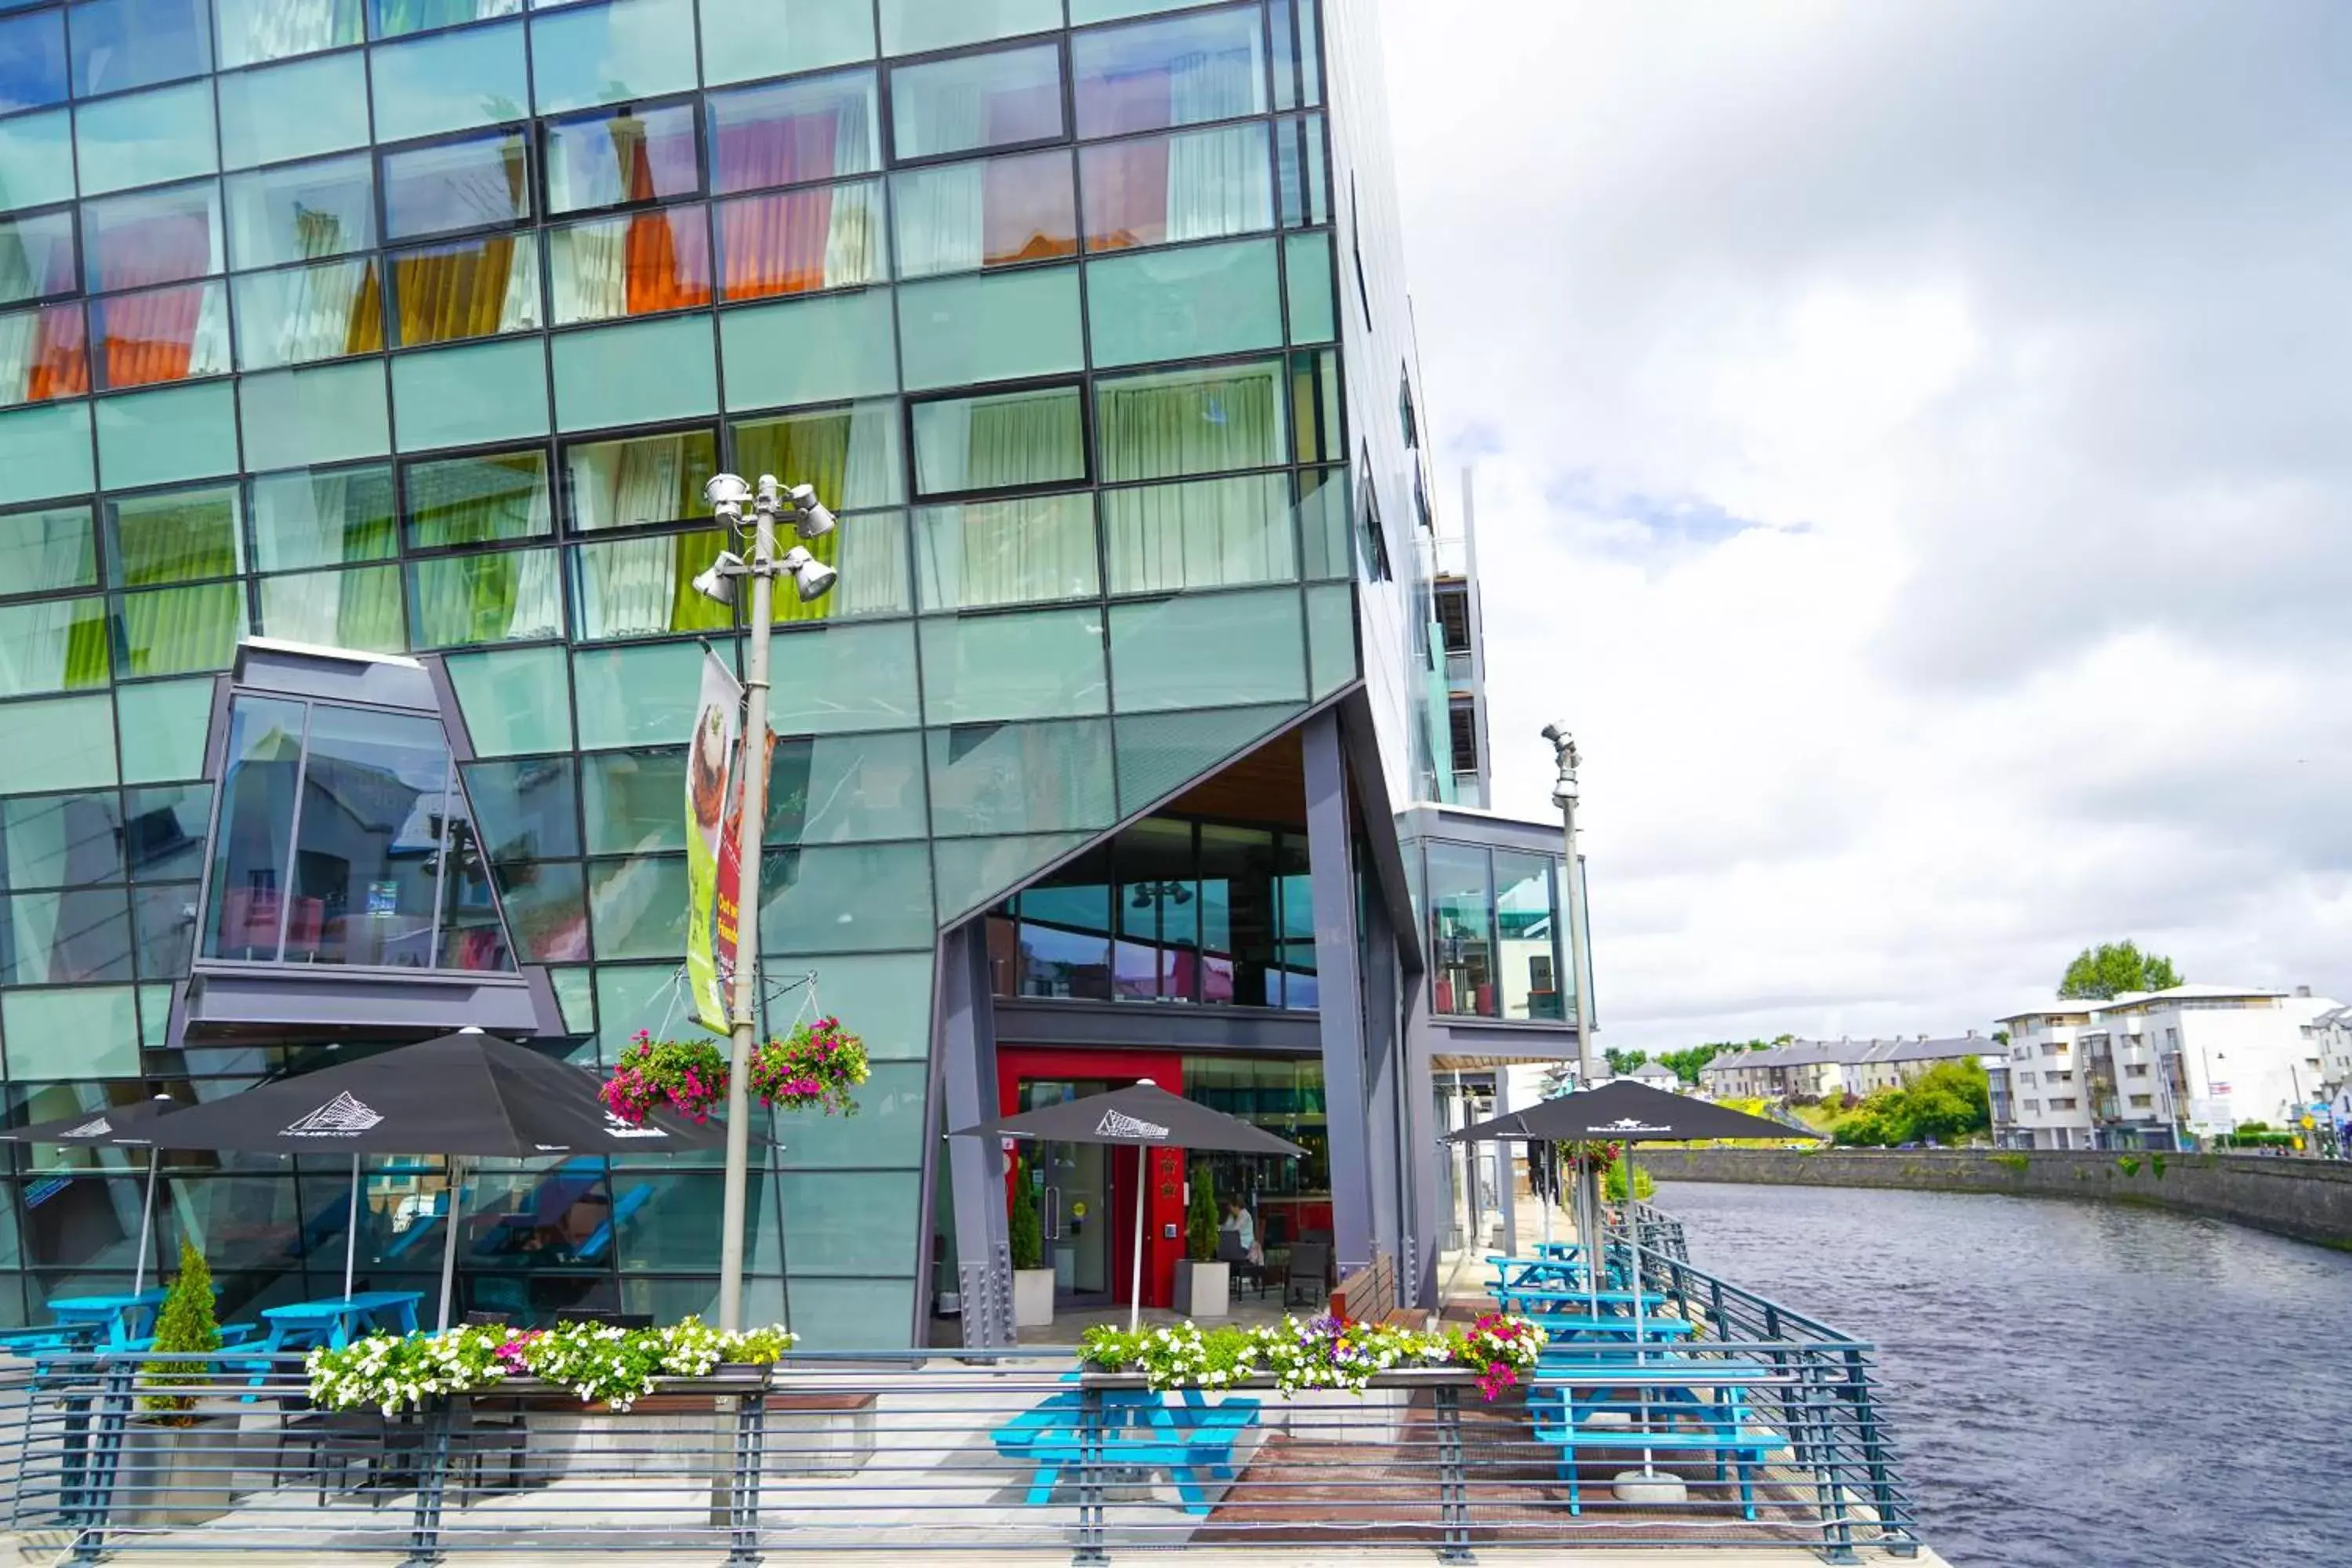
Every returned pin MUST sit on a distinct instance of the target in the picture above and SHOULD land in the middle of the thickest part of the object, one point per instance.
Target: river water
(2073, 1386)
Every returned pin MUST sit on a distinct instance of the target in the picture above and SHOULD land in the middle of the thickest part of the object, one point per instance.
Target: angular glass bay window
(1181, 71)
(998, 100)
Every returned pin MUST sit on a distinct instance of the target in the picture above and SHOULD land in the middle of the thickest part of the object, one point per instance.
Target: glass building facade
(414, 327)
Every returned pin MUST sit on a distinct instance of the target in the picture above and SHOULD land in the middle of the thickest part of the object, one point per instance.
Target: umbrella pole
(351, 1229)
(146, 1227)
(449, 1242)
(1135, 1296)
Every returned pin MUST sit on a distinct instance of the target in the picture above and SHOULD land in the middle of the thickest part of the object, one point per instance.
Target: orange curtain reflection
(57, 365)
(152, 337)
(776, 245)
(454, 291)
(659, 272)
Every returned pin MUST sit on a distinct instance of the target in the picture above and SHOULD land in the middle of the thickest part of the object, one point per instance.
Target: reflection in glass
(164, 831)
(1162, 189)
(630, 800)
(471, 937)
(37, 257)
(179, 537)
(1527, 938)
(374, 787)
(849, 454)
(48, 548)
(1181, 71)
(59, 841)
(394, 17)
(477, 500)
(1006, 553)
(301, 314)
(1210, 534)
(632, 266)
(634, 155)
(176, 631)
(470, 184)
(43, 354)
(245, 905)
(814, 129)
(302, 211)
(163, 923)
(1190, 421)
(997, 100)
(645, 587)
(509, 597)
(255, 30)
(1158, 902)
(1021, 778)
(156, 237)
(359, 609)
(1065, 931)
(122, 44)
(640, 479)
(794, 242)
(322, 519)
(162, 334)
(75, 934)
(467, 289)
(1001, 442)
(1462, 931)
(54, 645)
(32, 60)
(992, 212)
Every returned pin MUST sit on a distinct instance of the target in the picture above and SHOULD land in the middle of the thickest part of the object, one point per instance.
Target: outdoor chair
(1244, 1271)
(1309, 1269)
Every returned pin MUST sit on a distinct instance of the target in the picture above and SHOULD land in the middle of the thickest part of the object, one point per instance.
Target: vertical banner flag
(710, 800)
(731, 882)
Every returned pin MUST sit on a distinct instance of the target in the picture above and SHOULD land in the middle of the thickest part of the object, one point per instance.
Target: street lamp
(726, 494)
(1564, 796)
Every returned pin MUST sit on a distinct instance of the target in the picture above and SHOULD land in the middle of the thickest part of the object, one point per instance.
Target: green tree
(1687, 1062)
(2102, 972)
(1950, 1102)
(1024, 1235)
(1201, 1219)
(1622, 1062)
(185, 1326)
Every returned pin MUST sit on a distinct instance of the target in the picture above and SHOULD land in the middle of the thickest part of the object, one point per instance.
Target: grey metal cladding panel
(1203, 1029)
(1533, 1041)
(336, 676)
(246, 1001)
(1422, 820)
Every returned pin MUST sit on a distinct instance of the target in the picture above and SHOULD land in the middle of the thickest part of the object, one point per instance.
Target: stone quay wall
(2310, 1200)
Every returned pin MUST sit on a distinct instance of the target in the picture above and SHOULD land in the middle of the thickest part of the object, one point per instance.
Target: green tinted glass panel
(1013, 551)
(918, 27)
(48, 548)
(636, 375)
(252, 31)
(957, 331)
(1160, 753)
(164, 724)
(61, 743)
(645, 587)
(744, 39)
(77, 933)
(360, 608)
(1306, 274)
(1190, 421)
(37, 160)
(977, 871)
(1315, 408)
(575, 994)
(302, 212)
(84, 1032)
(869, 552)
(173, 631)
(1207, 650)
(54, 645)
(1326, 505)
(298, 315)
(1007, 440)
(183, 536)
(1210, 533)
(845, 789)
(156, 437)
(639, 906)
(637, 696)
(323, 415)
(450, 82)
(1021, 778)
(859, 898)
(1188, 303)
(477, 500)
(512, 596)
(145, 139)
(44, 451)
(292, 110)
(513, 703)
(1331, 637)
(1037, 664)
(584, 55)
(838, 678)
(321, 519)
(450, 397)
(890, 994)
(1085, 11)
(809, 351)
(849, 455)
(545, 903)
(634, 802)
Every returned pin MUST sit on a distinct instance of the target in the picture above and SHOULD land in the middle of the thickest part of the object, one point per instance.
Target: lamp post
(726, 494)
(1564, 796)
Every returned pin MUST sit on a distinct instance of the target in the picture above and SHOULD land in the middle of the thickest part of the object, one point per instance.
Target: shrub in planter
(1033, 1283)
(1203, 1285)
(186, 1326)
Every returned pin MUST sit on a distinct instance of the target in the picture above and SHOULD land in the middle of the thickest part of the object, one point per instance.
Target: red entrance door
(1163, 1202)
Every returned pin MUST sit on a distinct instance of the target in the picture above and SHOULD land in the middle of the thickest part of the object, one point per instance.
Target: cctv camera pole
(761, 569)
(1563, 795)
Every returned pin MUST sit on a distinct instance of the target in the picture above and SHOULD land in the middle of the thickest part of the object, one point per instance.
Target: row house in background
(1816, 1069)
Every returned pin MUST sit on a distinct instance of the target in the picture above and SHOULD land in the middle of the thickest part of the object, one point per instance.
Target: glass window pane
(633, 801)
(156, 237)
(63, 742)
(861, 898)
(467, 289)
(489, 391)
(323, 519)
(746, 38)
(1326, 522)
(869, 552)
(163, 923)
(846, 676)
(360, 609)
(302, 314)
(645, 587)
(163, 829)
(164, 724)
(54, 645)
(1191, 422)
(471, 936)
(1203, 652)
(1331, 637)
(1462, 932)
(48, 548)
(122, 44)
(1213, 533)
(583, 55)
(174, 631)
(1527, 940)
(252, 31)
(182, 537)
(845, 789)
(1008, 441)
(918, 27)
(812, 350)
(1315, 407)
(391, 18)
(43, 354)
(1184, 304)
(1199, 184)
(642, 374)
(1306, 274)
(953, 331)
(37, 257)
(1177, 72)
(795, 242)
(302, 212)
(639, 906)
(1006, 553)
(481, 181)
(516, 701)
(145, 139)
(32, 60)
(1021, 778)
(476, 500)
(640, 479)
(1040, 664)
(509, 597)
(792, 132)
(36, 161)
(450, 82)
(44, 451)
(250, 844)
(60, 841)
(637, 696)
(850, 454)
(992, 212)
(1085, 11)
(293, 111)
(547, 904)
(87, 1032)
(998, 100)
(632, 266)
(375, 786)
(161, 335)
(157, 437)
(327, 414)
(1303, 189)
(634, 155)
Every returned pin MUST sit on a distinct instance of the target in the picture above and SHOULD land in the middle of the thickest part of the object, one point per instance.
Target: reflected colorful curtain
(469, 289)
(162, 334)
(1194, 187)
(357, 609)
(1217, 533)
(795, 241)
(320, 312)
(645, 587)
(504, 597)
(43, 355)
(1158, 426)
(174, 631)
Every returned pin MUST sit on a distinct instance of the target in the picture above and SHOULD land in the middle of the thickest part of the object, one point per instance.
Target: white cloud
(1912, 459)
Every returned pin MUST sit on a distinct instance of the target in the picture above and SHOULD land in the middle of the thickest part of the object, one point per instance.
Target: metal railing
(1774, 1440)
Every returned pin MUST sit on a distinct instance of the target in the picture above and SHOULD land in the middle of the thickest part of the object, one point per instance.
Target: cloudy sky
(1911, 446)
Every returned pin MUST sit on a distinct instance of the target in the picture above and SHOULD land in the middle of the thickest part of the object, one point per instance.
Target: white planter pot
(1203, 1289)
(1032, 1298)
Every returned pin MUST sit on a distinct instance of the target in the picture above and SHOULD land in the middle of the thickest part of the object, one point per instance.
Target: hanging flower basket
(814, 1067)
(1591, 1154)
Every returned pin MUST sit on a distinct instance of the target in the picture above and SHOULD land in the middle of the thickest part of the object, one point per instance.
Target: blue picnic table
(1140, 1431)
(116, 1321)
(336, 1322)
(1542, 1299)
(1567, 1327)
(1670, 1402)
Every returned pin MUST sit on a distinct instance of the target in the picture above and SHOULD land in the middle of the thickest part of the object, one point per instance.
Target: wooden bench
(1370, 1294)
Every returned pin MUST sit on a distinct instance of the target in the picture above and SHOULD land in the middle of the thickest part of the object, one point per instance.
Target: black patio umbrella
(466, 1093)
(119, 1125)
(1141, 1114)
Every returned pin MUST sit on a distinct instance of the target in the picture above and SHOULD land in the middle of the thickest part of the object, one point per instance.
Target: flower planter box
(672, 1431)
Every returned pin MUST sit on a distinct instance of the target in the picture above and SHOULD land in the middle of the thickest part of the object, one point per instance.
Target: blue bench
(1721, 1426)
(1140, 1431)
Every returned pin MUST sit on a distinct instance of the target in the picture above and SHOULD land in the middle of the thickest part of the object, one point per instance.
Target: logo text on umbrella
(1119, 1124)
(97, 1129)
(1629, 1124)
(345, 1116)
